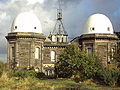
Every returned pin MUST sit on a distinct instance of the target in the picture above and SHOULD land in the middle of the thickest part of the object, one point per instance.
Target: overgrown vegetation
(81, 66)
(2, 67)
(26, 74)
(108, 77)
(75, 62)
(73, 66)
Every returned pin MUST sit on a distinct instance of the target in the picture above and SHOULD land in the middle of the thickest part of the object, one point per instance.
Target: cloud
(10, 9)
(75, 14)
(35, 1)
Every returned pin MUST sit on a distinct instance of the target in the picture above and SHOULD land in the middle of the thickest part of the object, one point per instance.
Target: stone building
(98, 38)
(29, 48)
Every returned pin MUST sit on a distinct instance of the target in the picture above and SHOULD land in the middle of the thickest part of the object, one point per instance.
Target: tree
(73, 61)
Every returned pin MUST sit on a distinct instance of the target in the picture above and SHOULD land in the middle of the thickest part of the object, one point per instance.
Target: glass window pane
(37, 51)
(89, 51)
(53, 56)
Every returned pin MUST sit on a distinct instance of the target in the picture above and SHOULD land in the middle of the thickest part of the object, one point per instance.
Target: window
(54, 38)
(108, 28)
(112, 53)
(50, 72)
(62, 39)
(89, 50)
(37, 53)
(57, 39)
(53, 56)
(13, 52)
(65, 39)
(15, 27)
(92, 28)
(46, 72)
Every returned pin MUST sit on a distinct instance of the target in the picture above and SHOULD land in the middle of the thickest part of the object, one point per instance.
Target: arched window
(53, 56)
(62, 39)
(112, 53)
(57, 39)
(13, 52)
(37, 53)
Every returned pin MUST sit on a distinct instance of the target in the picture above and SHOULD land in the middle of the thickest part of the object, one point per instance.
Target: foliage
(107, 76)
(2, 67)
(23, 73)
(40, 75)
(27, 73)
(49, 84)
(73, 61)
(81, 66)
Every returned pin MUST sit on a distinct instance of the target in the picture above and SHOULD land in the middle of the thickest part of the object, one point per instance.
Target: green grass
(29, 83)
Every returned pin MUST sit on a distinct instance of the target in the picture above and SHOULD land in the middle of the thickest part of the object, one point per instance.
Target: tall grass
(15, 83)
(30, 83)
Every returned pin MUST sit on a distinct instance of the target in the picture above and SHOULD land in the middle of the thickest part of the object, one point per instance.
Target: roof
(26, 22)
(98, 23)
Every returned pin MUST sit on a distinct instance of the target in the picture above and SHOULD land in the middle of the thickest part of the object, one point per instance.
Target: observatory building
(98, 38)
(29, 48)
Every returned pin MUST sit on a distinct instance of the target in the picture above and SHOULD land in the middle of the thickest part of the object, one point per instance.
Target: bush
(23, 74)
(27, 73)
(31, 73)
(108, 77)
(40, 75)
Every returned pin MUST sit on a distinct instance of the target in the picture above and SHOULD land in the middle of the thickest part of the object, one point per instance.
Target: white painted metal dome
(26, 22)
(98, 23)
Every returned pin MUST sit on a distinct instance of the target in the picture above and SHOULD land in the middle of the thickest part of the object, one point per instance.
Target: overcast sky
(75, 13)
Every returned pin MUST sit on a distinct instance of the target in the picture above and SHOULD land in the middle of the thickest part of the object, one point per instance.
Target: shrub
(23, 73)
(108, 77)
(40, 75)
(31, 73)
(27, 73)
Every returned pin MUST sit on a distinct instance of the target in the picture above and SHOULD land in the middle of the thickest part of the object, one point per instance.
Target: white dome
(98, 23)
(26, 22)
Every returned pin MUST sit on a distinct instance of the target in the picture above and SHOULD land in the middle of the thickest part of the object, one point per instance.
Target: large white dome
(98, 23)
(26, 22)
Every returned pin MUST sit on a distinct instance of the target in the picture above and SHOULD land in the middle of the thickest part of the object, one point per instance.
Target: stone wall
(101, 45)
(24, 44)
(48, 65)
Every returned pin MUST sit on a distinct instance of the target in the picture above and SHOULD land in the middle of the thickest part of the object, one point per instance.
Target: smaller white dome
(26, 22)
(98, 23)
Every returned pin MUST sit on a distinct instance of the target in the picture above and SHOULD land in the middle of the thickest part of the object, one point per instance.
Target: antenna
(59, 4)
(59, 27)
(59, 11)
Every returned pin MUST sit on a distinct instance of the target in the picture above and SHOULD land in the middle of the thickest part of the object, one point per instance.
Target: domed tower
(98, 38)
(25, 42)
